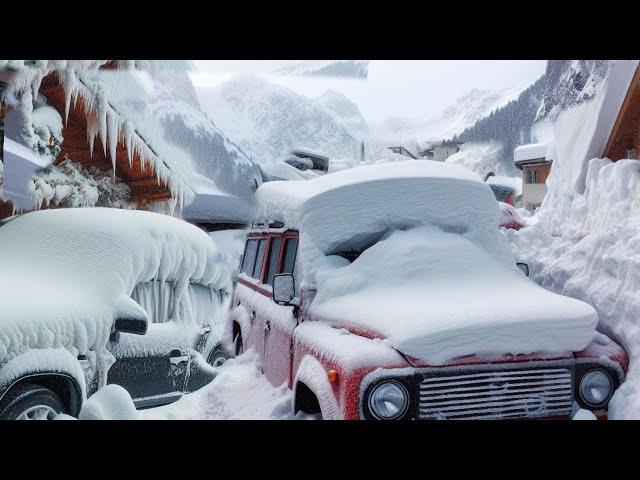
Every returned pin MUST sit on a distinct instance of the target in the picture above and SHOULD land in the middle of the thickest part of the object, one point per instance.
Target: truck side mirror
(283, 288)
(524, 267)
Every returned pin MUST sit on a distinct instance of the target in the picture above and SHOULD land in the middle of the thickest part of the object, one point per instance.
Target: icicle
(102, 119)
(69, 84)
(128, 140)
(92, 130)
(113, 132)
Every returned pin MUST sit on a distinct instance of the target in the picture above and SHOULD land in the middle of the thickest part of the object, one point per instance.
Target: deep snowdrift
(584, 240)
(594, 257)
(67, 274)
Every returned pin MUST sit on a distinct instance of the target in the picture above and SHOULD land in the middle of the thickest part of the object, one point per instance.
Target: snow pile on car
(67, 274)
(435, 276)
(584, 240)
(351, 209)
(437, 295)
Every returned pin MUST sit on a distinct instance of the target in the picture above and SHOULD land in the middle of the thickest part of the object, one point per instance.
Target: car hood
(435, 296)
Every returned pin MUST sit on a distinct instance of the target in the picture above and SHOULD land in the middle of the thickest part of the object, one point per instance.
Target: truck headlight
(388, 400)
(596, 387)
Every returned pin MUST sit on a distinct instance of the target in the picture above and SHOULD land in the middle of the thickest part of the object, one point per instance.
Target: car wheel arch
(62, 384)
(313, 376)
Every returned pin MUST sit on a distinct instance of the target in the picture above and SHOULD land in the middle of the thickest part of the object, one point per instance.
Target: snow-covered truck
(388, 292)
(95, 296)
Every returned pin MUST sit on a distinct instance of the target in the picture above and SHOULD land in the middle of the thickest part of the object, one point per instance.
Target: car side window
(290, 250)
(274, 258)
(156, 298)
(262, 246)
(249, 258)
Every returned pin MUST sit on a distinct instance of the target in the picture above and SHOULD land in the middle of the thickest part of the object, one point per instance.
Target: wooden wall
(626, 131)
(542, 171)
(143, 183)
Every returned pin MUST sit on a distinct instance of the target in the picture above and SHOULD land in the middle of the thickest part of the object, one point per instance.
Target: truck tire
(30, 402)
(238, 347)
(218, 356)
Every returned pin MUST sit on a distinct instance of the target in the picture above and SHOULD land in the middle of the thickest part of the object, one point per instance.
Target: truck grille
(496, 395)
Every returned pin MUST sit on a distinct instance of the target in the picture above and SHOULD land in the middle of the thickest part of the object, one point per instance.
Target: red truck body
(331, 367)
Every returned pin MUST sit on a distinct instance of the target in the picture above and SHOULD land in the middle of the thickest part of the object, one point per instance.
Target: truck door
(280, 322)
(248, 302)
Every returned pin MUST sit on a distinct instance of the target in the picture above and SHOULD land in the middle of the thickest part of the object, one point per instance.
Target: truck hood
(436, 296)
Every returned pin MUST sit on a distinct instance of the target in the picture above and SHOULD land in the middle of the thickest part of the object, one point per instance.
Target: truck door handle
(176, 357)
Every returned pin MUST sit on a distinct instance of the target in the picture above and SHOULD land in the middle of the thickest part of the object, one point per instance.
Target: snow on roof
(111, 115)
(309, 152)
(67, 274)
(437, 295)
(532, 151)
(285, 171)
(211, 205)
(347, 209)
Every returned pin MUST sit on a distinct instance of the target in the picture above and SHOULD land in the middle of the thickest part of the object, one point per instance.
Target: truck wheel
(237, 344)
(30, 402)
(218, 356)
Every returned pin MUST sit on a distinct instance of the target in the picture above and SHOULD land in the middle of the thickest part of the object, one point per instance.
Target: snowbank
(580, 134)
(109, 403)
(239, 392)
(67, 274)
(592, 255)
(436, 295)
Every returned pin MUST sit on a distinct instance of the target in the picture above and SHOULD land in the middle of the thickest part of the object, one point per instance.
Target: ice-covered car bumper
(517, 390)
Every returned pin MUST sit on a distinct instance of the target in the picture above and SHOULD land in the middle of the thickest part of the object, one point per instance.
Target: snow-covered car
(388, 292)
(510, 217)
(96, 296)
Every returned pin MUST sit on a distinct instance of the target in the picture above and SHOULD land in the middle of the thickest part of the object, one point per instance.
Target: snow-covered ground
(239, 392)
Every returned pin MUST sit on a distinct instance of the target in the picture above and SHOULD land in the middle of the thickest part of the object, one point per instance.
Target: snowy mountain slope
(508, 126)
(344, 111)
(267, 120)
(570, 82)
(175, 103)
(337, 68)
(463, 113)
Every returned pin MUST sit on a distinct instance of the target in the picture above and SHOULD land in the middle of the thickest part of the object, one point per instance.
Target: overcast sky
(394, 88)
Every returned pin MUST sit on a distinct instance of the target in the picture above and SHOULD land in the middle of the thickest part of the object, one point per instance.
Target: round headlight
(596, 387)
(388, 400)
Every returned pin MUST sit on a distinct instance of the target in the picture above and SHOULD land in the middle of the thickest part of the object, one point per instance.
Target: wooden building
(624, 139)
(531, 159)
(132, 165)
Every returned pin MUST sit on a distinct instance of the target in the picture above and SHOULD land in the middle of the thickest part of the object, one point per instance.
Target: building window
(532, 176)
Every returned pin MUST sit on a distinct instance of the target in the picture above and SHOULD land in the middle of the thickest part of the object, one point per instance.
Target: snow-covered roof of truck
(67, 274)
(342, 210)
